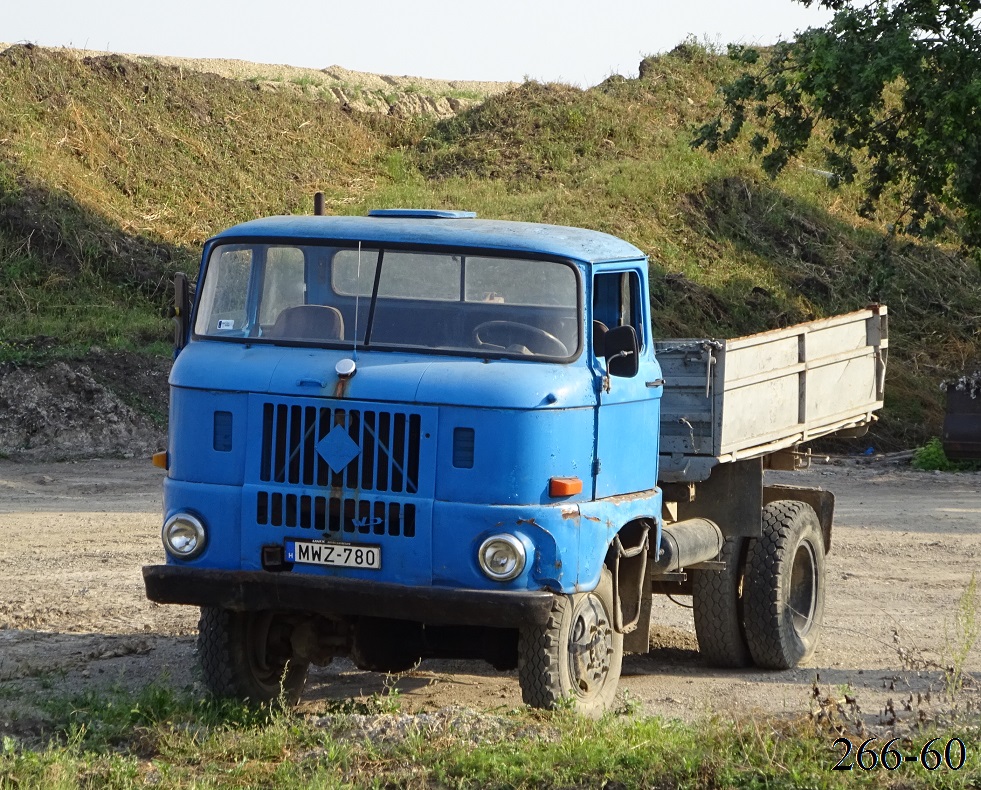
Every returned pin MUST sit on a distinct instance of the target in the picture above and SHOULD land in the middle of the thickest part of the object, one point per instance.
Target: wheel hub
(590, 646)
(803, 588)
(266, 663)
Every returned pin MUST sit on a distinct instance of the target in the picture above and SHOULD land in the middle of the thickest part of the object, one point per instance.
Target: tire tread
(214, 651)
(718, 611)
(541, 656)
(538, 659)
(771, 643)
(222, 655)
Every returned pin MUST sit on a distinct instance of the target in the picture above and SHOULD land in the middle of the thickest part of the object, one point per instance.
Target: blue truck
(419, 433)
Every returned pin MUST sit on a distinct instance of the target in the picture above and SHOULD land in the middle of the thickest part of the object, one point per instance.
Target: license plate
(337, 555)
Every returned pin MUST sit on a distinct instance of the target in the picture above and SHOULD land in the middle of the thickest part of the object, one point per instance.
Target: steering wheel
(537, 340)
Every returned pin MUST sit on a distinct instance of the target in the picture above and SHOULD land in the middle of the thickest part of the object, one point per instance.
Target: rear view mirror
(622, 352)
(181, 311)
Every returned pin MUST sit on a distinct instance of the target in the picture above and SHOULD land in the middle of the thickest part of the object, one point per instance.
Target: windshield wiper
(374, 300)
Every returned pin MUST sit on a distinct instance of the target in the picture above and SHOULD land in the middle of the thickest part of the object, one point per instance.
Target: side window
(223, 300)
(617, 302)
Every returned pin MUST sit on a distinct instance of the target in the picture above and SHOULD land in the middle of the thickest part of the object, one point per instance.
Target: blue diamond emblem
(338, 449)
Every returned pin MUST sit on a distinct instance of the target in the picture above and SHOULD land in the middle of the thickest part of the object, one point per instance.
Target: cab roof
(420, 227)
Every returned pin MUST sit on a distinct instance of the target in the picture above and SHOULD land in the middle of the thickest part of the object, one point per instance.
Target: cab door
(628, 408)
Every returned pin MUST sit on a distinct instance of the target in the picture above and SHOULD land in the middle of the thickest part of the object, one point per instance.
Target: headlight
(184, 536)
(501, 557)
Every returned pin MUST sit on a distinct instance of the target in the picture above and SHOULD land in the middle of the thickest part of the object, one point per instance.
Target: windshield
(391, 299)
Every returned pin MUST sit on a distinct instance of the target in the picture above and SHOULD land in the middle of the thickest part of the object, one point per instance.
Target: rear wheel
(784, 586)
(717, 598)
(248, 655)
(576, 655)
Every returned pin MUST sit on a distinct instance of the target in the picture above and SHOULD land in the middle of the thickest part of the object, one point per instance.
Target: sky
(580, 42)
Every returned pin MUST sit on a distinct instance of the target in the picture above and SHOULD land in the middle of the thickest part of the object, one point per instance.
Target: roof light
(421, 213)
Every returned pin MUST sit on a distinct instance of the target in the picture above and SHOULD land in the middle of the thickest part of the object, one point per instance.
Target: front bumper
(259, 590)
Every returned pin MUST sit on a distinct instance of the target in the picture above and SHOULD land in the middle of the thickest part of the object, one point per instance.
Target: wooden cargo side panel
(756, 413)
(797, 383)
(823, 402)
(759, 381)
(755, 395)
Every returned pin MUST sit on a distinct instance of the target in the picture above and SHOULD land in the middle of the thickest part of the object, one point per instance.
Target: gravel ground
(73, 614)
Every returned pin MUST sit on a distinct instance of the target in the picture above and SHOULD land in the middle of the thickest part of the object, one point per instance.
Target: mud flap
(822, 501)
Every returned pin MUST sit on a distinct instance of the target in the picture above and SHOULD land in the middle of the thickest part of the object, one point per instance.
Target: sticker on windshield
(226, 323)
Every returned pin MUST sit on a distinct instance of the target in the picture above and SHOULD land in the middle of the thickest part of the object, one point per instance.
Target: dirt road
(73, 613)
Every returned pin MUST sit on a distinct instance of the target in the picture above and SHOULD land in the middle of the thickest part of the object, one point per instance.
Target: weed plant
(961, 637)
(932, 458)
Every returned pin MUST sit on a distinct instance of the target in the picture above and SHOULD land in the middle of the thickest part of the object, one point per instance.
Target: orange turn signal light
(160, 460)
(564, 486)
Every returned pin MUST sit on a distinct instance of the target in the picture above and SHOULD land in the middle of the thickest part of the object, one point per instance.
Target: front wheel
(248, 655)
(576, 656)
(784, 586)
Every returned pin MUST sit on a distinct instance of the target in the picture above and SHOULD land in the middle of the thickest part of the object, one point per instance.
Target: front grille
(386, 446)
(336, 514)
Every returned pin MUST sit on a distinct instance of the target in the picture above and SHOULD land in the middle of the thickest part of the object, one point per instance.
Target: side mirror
(622, 352)
(181, 311)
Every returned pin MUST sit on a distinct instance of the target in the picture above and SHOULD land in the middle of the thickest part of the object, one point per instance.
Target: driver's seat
(308, 322)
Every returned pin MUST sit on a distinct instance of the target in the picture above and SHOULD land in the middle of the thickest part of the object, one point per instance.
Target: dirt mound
(402, 96)
(65, 409)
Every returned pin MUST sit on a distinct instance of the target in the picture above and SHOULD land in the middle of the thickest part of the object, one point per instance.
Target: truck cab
(416, 433)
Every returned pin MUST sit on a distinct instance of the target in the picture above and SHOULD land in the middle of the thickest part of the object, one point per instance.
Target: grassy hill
(113, 171)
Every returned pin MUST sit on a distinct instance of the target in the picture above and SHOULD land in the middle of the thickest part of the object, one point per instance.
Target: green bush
(931, 457)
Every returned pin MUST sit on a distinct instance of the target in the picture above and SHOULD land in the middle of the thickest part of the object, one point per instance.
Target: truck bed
(726, 400)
